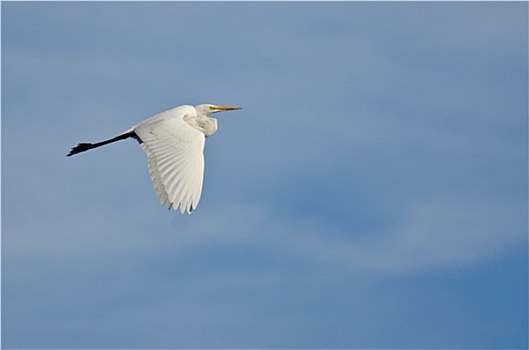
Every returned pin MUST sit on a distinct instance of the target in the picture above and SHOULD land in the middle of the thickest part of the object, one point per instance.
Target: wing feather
(175, 152)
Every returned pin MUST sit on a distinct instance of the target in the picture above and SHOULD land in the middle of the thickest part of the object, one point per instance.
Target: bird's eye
(212, 107)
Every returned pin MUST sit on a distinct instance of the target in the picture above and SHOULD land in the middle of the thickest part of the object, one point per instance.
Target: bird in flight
(174, 143)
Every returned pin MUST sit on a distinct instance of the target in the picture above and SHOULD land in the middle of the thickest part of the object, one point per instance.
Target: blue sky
(371, 194)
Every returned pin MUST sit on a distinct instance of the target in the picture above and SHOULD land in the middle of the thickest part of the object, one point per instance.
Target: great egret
(174, 142)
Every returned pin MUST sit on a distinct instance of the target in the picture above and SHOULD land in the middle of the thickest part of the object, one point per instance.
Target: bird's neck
(207, 125)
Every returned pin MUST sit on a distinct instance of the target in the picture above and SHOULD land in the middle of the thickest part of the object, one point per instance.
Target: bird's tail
(86, 146)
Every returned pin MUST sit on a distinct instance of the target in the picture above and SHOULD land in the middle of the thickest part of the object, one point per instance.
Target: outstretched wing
(176, 158)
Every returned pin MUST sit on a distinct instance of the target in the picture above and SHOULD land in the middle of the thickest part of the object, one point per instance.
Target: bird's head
(207, 109)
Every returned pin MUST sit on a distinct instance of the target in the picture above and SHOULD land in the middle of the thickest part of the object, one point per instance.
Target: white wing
(176, 157)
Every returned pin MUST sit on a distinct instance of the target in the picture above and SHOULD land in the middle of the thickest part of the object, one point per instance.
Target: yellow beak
(228, 108)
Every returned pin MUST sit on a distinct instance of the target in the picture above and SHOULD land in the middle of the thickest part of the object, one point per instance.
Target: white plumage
(176, 159)
(174, 143)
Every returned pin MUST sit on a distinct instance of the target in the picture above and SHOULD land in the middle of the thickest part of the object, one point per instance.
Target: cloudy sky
(371, 194)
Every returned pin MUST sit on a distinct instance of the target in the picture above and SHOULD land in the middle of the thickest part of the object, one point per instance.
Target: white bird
(174, 142)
